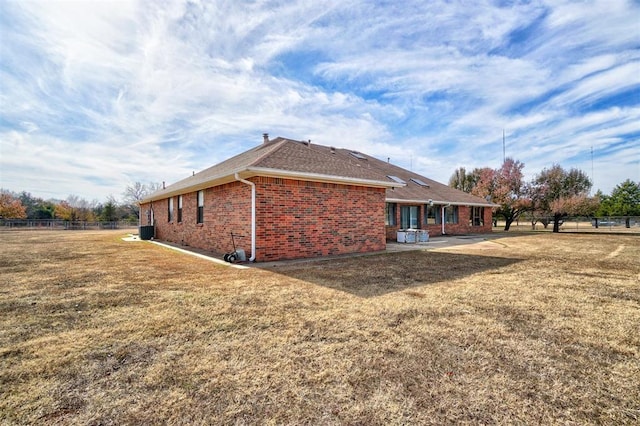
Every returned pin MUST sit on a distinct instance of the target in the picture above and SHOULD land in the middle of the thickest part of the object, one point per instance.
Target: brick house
(287, 199)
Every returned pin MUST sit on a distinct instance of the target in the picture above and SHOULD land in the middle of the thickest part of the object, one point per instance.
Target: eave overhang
(317, 177)
(440, 202)
(250, 172)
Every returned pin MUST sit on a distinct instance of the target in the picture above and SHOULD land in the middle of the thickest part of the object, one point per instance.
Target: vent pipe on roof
(163, 185)
(265, 137)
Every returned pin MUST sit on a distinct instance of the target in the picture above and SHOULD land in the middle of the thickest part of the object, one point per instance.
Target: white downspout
(253, 216)
(443, 217)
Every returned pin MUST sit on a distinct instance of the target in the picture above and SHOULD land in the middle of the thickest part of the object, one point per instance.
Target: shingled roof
(304, 160)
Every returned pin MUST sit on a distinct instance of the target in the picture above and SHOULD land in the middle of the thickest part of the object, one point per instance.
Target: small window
(477, 216)
(179, 208)
(451, 214)
(396, 179)
(390, 214)
(170, 210)
(432, 214)
(200, 218)
(419, 182)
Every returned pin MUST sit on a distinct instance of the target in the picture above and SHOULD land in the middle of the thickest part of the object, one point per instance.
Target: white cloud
(96, 95)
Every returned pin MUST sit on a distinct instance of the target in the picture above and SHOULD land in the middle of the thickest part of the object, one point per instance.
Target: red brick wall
(227, 208)
(462, 227)
(294, 219)
(298, 219)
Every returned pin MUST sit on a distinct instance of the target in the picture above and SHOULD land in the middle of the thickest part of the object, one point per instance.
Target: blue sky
(97, 95)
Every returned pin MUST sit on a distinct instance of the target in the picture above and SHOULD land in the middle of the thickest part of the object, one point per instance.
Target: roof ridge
(276, 146)
(332, 155)
(351, 162)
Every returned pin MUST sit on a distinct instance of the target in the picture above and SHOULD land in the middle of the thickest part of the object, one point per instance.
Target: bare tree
(133, 194)
(464, 181)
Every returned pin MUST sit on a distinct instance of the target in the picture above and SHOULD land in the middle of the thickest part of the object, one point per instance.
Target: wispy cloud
(96, 95)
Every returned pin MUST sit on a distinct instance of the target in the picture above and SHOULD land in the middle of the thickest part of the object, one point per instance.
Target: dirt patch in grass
(539, 328)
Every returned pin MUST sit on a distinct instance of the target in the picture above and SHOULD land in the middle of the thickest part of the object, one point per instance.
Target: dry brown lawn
(525, 329)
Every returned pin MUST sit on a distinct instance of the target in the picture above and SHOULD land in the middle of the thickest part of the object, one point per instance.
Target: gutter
(318, 177)
(451, 203)
(206, 182)
(253, 215)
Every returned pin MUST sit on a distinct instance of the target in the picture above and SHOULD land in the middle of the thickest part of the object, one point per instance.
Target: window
(390, 214)
(409, 217)
(432, 214)
(451, 214)
(200, 218)
(170, 210)
(179, 208)
(477, 216)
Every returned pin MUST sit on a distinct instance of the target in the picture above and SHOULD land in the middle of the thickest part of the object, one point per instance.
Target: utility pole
(591, 168)
(504, 151)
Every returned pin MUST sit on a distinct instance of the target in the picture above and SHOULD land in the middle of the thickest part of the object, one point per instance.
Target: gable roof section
(287, 158)
(280, 157)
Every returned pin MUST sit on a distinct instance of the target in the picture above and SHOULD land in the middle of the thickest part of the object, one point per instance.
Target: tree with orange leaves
(11, 207)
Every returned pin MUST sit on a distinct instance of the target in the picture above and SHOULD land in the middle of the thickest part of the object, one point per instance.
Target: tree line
(550, 196)
(23, 205)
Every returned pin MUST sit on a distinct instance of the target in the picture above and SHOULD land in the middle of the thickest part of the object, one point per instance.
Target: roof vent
(333, 149)
(265, 137)
(358, 155)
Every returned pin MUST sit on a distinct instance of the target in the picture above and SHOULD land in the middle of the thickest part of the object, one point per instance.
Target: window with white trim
(170, 210)
(179, 208)
(200, 218)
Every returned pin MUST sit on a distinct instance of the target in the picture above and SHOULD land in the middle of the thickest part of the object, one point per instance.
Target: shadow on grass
(376, 275)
